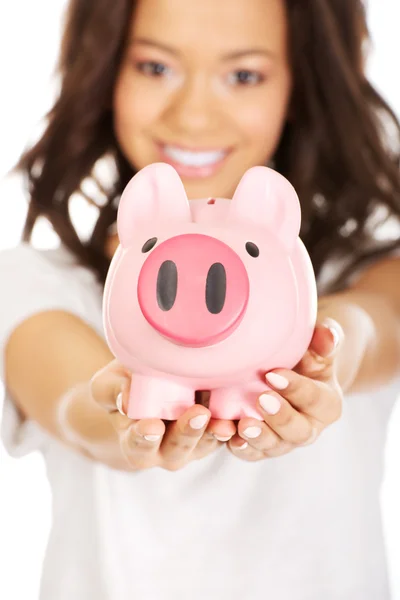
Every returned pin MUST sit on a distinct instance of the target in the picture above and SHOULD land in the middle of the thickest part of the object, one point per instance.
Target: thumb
(327, 337)
(319, 358)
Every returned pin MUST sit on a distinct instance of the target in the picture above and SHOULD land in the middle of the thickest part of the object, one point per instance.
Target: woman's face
(205, 86)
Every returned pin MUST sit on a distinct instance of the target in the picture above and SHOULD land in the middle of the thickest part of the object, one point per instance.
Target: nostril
(216, 288)
(211, 201)
(167, 285)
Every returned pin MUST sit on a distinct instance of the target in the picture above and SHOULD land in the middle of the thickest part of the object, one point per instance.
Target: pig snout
(193, 289)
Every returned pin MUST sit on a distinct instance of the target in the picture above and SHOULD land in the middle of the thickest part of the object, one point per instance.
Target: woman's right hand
(150, 443)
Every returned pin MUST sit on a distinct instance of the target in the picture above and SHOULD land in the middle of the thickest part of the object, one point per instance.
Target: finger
(140, 443)
(183, 435)
(285, 421)
(327, 336)
(205, 446)
(258, 435)
(314, 399)
(218, 432)
(221, 429)
(318, 361)
(107, 383)
(242, 449)
(118, 417)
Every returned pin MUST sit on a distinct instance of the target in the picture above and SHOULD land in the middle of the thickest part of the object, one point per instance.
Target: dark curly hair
(336, 150)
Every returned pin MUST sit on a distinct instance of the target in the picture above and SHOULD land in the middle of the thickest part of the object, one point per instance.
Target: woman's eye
(152, 68)
(245, 77)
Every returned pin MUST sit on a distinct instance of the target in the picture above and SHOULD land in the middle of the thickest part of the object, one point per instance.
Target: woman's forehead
(223, 25)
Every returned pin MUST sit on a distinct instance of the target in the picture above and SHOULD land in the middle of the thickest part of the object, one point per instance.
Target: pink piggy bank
(208, 294)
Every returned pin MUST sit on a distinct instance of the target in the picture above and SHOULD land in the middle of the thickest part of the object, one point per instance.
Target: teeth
(193, 159)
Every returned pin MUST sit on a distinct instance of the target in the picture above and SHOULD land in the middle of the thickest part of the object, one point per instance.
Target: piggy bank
(208, 294)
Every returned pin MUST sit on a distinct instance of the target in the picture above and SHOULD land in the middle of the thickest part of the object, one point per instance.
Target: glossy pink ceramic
(207, 294)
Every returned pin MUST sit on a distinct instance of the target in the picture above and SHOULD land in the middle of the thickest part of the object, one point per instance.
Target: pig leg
(234, 404)
(156, 398)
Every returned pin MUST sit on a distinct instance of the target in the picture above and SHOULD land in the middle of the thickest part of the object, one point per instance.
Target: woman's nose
(192, 108)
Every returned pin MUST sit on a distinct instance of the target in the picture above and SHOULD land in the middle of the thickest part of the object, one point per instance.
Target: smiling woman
(285, 506)
(213, 88)
(212, 105)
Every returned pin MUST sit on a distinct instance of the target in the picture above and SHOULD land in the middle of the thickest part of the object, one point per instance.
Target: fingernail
(243, 446)
(277, 381)
(252, 432)
(222, 439)
(198, 422)
(152, 437)
(270, 403)
(118, 402)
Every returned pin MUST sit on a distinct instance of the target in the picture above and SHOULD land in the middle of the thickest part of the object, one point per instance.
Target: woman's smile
(193, 163)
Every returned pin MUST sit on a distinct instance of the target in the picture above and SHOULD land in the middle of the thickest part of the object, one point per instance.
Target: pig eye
(252, 249)
(147, 246)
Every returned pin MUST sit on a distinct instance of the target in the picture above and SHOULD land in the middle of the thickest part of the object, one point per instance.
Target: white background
(29, 37)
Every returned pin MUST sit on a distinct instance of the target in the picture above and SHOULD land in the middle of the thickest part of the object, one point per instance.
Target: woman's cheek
(133, 105)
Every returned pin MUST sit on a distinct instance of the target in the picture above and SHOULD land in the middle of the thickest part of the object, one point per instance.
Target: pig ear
(267, 199)
(154, 194)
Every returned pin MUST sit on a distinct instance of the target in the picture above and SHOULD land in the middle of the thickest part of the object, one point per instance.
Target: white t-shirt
(305, 526)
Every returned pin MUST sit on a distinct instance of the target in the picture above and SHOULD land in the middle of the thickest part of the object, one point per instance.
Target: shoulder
(27, 263)
(35, 280)
(56, 260)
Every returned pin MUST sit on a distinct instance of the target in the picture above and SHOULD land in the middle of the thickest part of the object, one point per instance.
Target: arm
(369, 313)
(49, 356)
(62, 375)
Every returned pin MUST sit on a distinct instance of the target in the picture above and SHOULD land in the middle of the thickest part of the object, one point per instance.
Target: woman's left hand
(303, 402)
